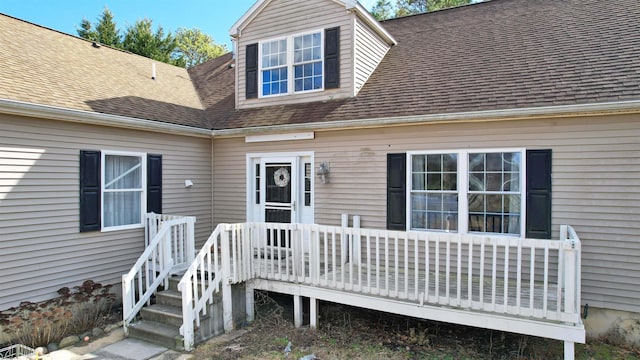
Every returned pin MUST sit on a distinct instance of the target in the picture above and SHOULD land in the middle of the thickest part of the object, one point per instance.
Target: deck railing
(529, 278)
(222, 261)
(169, 244)
(182, 237)
(499, 274)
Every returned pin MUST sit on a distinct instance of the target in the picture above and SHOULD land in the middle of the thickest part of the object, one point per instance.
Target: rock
(52, 347)
(629, 331)
(97, 332)
(69, 341)
(111, 327)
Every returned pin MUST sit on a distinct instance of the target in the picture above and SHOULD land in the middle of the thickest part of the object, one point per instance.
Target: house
(505, 119)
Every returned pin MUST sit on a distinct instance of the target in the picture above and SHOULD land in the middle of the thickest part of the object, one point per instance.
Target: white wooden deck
(527, 286)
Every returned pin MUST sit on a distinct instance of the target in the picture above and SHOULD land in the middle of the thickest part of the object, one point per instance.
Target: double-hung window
(117, 188)
(467, 191)
(292, 64)
(275, 76)
(124, 185)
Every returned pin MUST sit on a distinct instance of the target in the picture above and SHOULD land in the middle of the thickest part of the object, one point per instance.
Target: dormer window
(293, 64)
(307, 62)
(298, 55)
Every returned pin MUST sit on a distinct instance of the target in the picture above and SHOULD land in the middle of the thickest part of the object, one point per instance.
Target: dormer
(296, 51)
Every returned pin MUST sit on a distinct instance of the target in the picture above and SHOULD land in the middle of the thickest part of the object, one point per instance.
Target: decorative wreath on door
(281, 177)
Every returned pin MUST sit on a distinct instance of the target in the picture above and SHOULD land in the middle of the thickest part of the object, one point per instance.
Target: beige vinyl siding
(283, 18)
(369, 51)
(41, 248)
(596, 183)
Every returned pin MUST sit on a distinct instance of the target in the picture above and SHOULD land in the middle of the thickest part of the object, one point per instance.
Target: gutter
(21, 108)
(561, 111)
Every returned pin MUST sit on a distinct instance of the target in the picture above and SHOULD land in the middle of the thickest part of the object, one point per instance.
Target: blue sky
(214, 17)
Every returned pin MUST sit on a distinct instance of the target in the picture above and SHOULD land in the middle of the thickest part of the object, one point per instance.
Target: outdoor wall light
(323, 172)
(188, 184)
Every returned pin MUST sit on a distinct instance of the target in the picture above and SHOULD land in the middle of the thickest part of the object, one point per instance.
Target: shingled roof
(501, 54)
(47, 67)
(496, 55)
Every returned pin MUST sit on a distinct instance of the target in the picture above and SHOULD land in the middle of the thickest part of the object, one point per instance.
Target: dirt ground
(351, 333)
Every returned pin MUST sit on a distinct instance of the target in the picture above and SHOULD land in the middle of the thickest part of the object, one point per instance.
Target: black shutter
(396, 191)
(332, 58)
(538, 223)
(251, 71)
(154, 183)
(89, 190)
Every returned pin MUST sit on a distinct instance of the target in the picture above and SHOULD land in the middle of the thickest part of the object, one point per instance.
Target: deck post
(356, 256)
(297, 311)
(345, 241)
(569, 350)
(313, 309)
(190, 243)
(250, 304)
(227, 298)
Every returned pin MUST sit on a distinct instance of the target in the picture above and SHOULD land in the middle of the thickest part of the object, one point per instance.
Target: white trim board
(280, 137)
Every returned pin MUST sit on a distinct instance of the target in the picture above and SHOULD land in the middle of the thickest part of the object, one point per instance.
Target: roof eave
(561, 111)
(14, 107)
(350, 5)
(374, 24)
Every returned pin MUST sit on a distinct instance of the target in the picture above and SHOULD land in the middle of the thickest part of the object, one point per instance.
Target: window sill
(123, 227)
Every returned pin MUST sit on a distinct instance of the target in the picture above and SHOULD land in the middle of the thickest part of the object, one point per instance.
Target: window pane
(418, 181)
(122, 208)
(476, 162)
(418, 201)
(298, 85)
(512, 204)
(434, 163)
(450, 182)
(418, 220)
(316, 39)
(122, 172)
(434, 202)
(476, 202)
(434, 181)
(494, 181)
(417, 163)
(317, 82)
(317, 68)
(494, 203)
(511, 182)
(297, 43)
(476, 182)
(450, 162)
(494, 162)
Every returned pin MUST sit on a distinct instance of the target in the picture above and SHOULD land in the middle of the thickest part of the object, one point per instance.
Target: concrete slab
(129, 349)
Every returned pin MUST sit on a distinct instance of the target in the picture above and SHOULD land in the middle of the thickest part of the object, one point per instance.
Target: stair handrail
(206, 267)
(157, 263)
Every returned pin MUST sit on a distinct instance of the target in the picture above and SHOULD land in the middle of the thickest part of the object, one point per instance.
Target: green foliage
(142, 40)
(73, 312)
(383, 9)
(104, 31)
(189, 47)
(196, 47)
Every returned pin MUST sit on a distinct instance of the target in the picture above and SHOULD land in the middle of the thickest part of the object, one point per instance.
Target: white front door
(280, 188)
